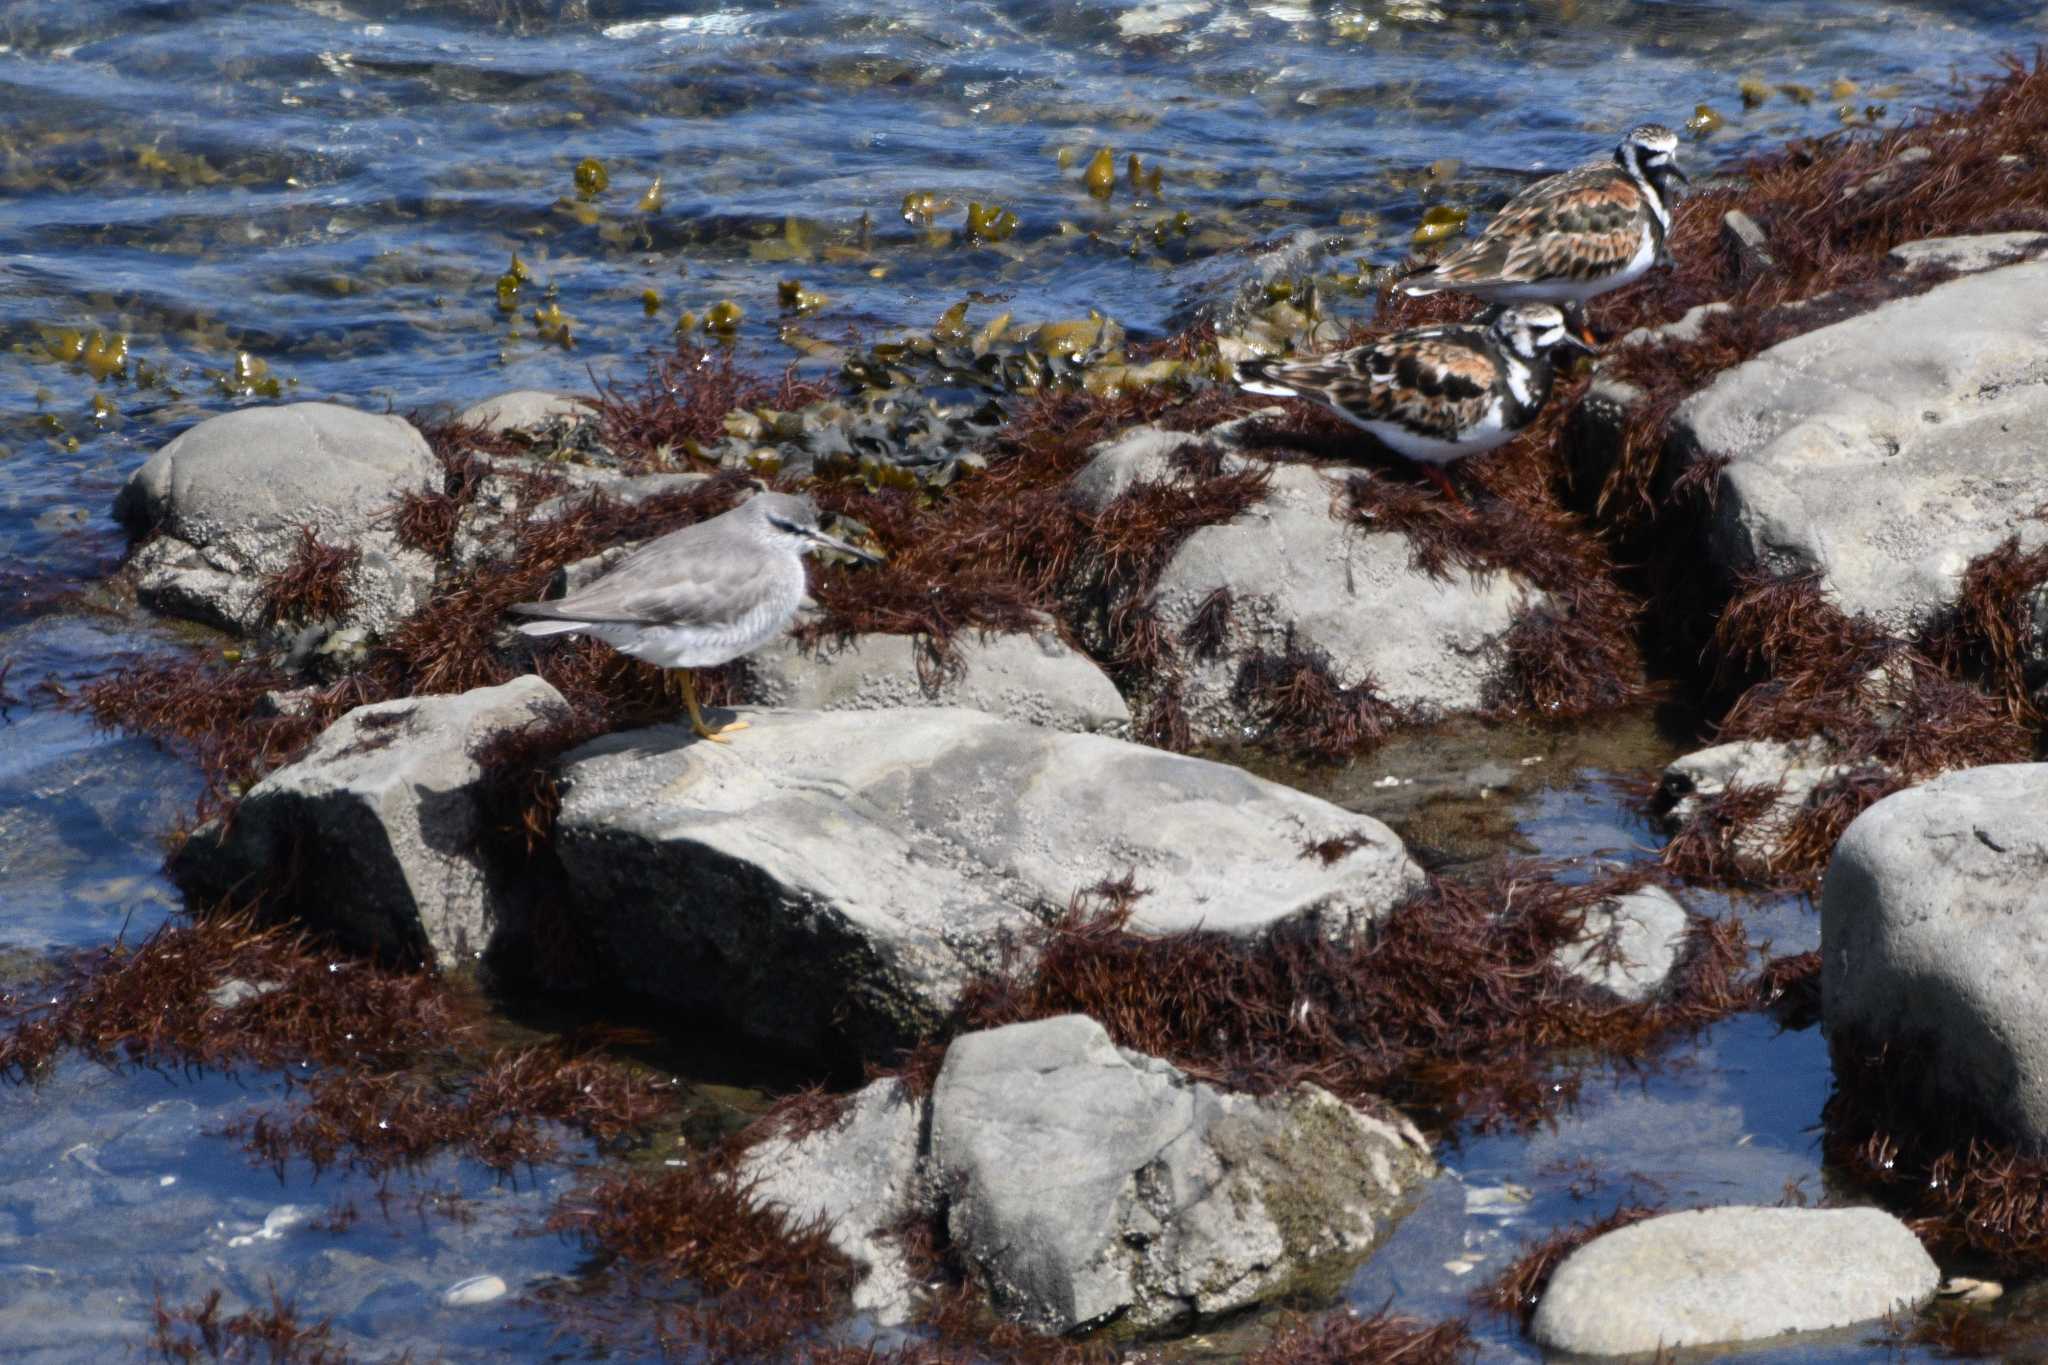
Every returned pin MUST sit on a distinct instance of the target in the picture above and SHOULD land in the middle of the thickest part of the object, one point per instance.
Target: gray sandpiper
(701, 596)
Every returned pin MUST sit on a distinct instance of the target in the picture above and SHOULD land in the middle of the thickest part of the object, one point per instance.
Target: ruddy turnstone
(1433, 394)
(701, 596)
(1573, 236)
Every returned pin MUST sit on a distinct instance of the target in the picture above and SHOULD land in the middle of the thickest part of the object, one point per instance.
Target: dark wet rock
(1934, 920)
(1793, 772)
(1906, 156)
(1038, 679)
(1630, 944)
(1741, 234)
(832, 880)
(1731, 1274)
(1886, 451)
(1087, 1183)
(374, 832)
(1295, 571)
(928, 438)
(525, 412)
(1597, 424)
(863, 1175)
(230, 499)
(1967, 254)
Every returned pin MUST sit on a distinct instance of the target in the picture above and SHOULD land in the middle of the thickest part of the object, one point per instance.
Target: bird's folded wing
(658, 590)
(1587, 222)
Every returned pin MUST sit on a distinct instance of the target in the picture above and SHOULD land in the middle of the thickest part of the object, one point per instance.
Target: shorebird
(701, 596)
(1433, 394)
(1574, 236)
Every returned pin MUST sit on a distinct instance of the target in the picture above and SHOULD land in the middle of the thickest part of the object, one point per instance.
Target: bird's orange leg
(716, 736)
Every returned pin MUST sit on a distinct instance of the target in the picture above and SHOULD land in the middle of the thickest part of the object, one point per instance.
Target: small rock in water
(276, 1224)
(1731, 1274)
(237, 991)
(474, 1290)
(1631, 943)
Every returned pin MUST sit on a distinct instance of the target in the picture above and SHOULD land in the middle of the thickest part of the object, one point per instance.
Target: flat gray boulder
(1088, 1184)
(1039, 679)
(835, 878)
(1294, 569)
(375, 829)
(1934, 925)
(863, 1175)
(1980, 251)
(1886, 451)
(1727, 1275)
(1630, 945)
(230, 498)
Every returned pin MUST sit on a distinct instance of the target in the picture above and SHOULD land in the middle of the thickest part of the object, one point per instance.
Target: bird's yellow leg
(716, 736)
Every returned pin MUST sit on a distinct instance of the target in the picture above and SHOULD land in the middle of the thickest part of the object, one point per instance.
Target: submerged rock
(1088, 1183)
(230, 501)
(1630, 945)
(832, 880)
(1731, 1274)
(1039, 679)
(1934, 922)
(1886, 451)
(863, 1176)
(374, 832)
(1295, 574)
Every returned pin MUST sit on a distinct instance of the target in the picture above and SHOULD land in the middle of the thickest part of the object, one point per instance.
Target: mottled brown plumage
(1433, 394)
(1574, 236)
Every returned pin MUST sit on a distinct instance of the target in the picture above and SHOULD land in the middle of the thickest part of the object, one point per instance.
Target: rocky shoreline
(1154, 1028)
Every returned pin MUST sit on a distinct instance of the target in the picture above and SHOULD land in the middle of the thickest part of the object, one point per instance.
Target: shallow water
(331, 190)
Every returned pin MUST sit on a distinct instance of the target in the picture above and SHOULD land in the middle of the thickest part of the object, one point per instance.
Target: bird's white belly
(1489, 431)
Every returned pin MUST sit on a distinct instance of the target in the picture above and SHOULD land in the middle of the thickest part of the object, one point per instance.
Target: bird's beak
(1578, 343)
(825, 542)
(1678, 171)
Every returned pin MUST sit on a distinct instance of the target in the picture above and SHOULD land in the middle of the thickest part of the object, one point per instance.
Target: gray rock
(1350, 595)
(381, 817)
(508, 496)
(1795, 772)
(863, 1177)
(1630, 945)
(1137, 456)
(1934, 920)
(1731, 1274)
(1886, 451)
(1038, 679)
(229, 498)
(524, 410)
(1965, 254)
(1293, 568)
(835, 878)
(1088, 1183)
(1908, 156)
